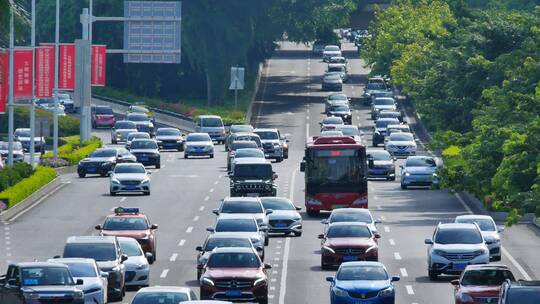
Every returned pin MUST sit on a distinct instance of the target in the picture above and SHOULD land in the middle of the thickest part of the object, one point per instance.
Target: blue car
(419, 171)
(362, 282)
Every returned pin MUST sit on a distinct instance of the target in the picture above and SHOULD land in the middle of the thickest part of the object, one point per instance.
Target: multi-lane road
(185, 191)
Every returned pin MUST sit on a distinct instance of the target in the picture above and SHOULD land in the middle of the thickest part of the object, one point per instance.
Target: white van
(213, 125)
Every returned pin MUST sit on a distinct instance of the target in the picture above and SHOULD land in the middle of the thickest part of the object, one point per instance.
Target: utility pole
(32, 104)
(56, 58)
(11, 119)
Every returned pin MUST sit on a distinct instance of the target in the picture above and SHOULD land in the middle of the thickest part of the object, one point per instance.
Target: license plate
(91, 169)
(281, 225)
(349, 258)
(362, 302)
(143, 158)
(460, 266)
(131, 188)
(233, 293)
(252, 194)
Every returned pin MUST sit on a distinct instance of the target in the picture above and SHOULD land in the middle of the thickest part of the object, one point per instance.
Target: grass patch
(24, 188)
(9, 176)
(73, 151)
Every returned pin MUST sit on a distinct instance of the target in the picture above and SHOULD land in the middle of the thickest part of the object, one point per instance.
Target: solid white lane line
(182, 242)
(376, 197)
(189, 229)
(206, 198)
(463, 203)
(386, 229)
(397, 256)
(391, 241)
(196, 218)
(307, 131)
(123, 199)
(409, 289)
(403, 272)
(201, 208)
(283, 283)
(173, 257)
(164, 273)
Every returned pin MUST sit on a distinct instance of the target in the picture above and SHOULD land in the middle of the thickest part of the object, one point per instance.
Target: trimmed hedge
(23, 189)
(9, 176)
(73, 152)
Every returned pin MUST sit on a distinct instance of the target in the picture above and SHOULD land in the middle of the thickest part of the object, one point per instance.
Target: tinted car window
(160, 297)
(383, 102)
(337, 97)
(104, 111)
(138, 135)
(383, 123)
(484, 224)
(226, 242)
(487, 277)
(331, 48)
(350, 217)
(168, 132)
(38, 276)
(198, 137)
(420, 162)
(104, 153)
(236, 225)
(249, 153)
(348, 231)
(378, 155)
(362, 273)
(122, 125)
(458, 236)
(137, 117)
(130, 247)
(241, 207)
(340, 108)
(212, 122)
(129, 169)
(243, 144)
(401, 137)
(125, 223)
(253, 171)
(267, 135)
(23, 133)
(82, 270)
(99, 251)
(350, 131)
(144, 144)
(233, 260)
(376, 86)
(277, 204)
(333, 120)
(240, 128)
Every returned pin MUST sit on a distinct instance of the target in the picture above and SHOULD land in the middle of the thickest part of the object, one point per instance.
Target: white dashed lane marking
(386, 229)
(397, 256)
(173, 257)
(164, 273)
(392, 242)
(409, 289)
(196, 218)
(189, 229)
(182, 242)
(403, 272)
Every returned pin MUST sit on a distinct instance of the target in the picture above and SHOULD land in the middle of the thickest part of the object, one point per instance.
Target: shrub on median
(73, 151)
(9, 176)
(24, 188)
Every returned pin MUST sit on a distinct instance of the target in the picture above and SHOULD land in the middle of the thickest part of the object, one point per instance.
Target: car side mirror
(428, 242)
(56, 257)
(489, 242)
(394, 158)
(324, 221)
(298, 208)
(154, 227)
(149, 257)
(104, 274)
(267, 266)
(329, 279)
(259, 248)
(500, 229)
(79, 282)
(274, 176)
(98, 227)
(210, 229)
(395, 279)
(12, 282)
(111, 173)
(321, 236)
(199, 248)
(123, 258)
(303, 166)
(377, 235)
(371, 163)
(378, 221)
(215, 211)
(455, 282)
(269, 211)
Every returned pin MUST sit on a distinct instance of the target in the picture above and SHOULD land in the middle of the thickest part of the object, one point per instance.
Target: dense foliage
(27, 186)
(9, 176)
(474, 76)
(73, 151)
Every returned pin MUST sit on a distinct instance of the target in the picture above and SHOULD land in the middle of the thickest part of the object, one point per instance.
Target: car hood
(343, 242)
(98, 159)
(136, 234)
(456, 248)
(144, 151)
(383, 107)
(420, 170)
(490, 235)
(199, 143)
(129, 176)
(283, 214)
(340, 112)
(360, 286)
(125, 131)
(134, 262)
(168, 137)
(481, 290)
(402, 143)
(383, 162)
(241, 273)
(50, 289)
(249, 234)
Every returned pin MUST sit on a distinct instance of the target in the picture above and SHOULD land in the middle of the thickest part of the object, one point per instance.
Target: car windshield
(198, 137)
(458, 236)
(243, 144)
(142, 135)
(129, 169)
(383, 102)
(362, 273)
(143, 144)
(218, 242)
(401, 136)
(339, 108)
(168, 132)
(130, 247)
(336, 68)
(332, 48)
(125, 223)
(276, 203)
(212, 122)
(240, 128)
(63, 96)
(41, 276)
(352, 131)
(523, 295)
(420, 162)
(486, 277)
(267, 134)
(137, 117)
(136, 109)
(233, 260)
(257, 153)
(337, 97)
(104, 111)
(23, 133)
(345, 231)
(104, 153)
(259, 171)
(160, 297)
(82, 270)
(333, 121)
(378, 155)
(484, 224)
(98, 251)
(382, 123)
(388, 114)
(350, 217)
(241, 207)
(376, 86)
(332, 76)
(236, 225)
(123, 125)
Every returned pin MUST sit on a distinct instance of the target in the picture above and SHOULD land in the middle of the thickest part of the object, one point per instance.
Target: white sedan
(129, 177)
(401, 144)
(137, 264)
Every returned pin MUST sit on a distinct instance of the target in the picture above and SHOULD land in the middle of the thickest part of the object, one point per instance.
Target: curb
(536, 222)
(66, 170)
(33, 200)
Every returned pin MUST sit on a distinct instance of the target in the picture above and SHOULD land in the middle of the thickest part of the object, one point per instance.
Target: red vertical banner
(99, 61)
(66, 78)
(44, 71)
(22, 74)
(4, 70)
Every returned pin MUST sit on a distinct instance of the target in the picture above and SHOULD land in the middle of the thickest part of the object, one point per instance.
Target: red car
(481, 284)
(129, 222)
(235, 274)
(348, 241)
(103, 116)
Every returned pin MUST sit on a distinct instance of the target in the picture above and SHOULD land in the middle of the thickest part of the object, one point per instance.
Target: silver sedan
(284, 217)
(129, 177)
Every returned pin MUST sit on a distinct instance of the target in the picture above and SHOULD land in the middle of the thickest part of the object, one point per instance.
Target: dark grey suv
(253, 177)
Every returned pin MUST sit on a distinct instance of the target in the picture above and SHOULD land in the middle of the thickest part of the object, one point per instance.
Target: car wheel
(147, 193)
(323, 265)
(297, 234)
(82, 175)
(112, 193)
(263, 300)
(404, 187)
(312, 212)
(266, 241)
(113, 142)
(158, 165)
(212, 155)
(433, 275)
(279, 159)
(185, 156)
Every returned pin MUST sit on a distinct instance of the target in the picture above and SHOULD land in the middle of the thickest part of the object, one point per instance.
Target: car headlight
(115, 181)
(31, 296)
(438, 252)
(145, 181)
(407, 174)
(371, 248)
(207, 281)
(296, 219)
(435, 175)
(78, 295)
(142, 266)
(388, 292)
(326, 248)
(463, 297)
(481, 252)
(115, 268)
(259, 281)
(340, 292)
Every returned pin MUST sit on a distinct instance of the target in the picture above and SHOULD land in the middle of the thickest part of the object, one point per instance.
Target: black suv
(39, 282)
(519, 292)
(101, 162)
(253, 177)
(108, 255)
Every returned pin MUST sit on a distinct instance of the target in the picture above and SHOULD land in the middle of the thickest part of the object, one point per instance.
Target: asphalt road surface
(185, 191)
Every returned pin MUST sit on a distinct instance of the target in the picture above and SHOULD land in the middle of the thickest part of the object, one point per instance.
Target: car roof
(39, 264)
(91, 239)
(73, 260)
(351, 210)
(448, 226)
(228, 216)
(486, 266)
(474, 216)
(164, 289)
(143, 139)
(209, 116)
(349, 224)
(252, 160)
(265, 130)
(232, 250)
(400, 126)
(226, 235)
(241, 199)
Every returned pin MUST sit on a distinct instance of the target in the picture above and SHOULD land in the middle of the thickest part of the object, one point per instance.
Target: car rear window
(104, 111)
(218, 242)
(143, 144)
(241, 207)
(156, 297)
(212, 122)
(97, 251)
(104, 153)
(362, 273)
(125, 125)
(243, 144)
(486, 277)
(236, 225)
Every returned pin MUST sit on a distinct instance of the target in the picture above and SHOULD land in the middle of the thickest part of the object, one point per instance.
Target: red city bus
(335, 174)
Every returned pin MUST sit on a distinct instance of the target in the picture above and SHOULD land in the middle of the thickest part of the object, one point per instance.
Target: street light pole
(56, 58)
(11, 118)
(33, 105)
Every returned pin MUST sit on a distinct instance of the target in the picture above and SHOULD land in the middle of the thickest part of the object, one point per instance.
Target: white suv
(453, 247)
(489, 230)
